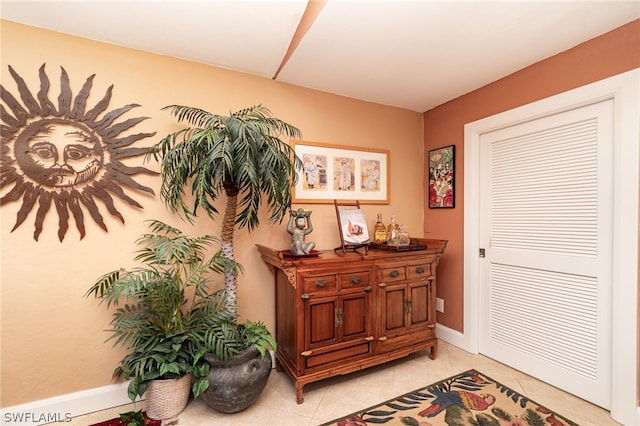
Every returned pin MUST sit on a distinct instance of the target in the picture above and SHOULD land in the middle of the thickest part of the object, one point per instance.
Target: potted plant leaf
(165, 312)
(239, 156)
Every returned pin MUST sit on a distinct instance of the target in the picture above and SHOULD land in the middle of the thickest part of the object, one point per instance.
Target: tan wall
(610, 54)
(52, 338)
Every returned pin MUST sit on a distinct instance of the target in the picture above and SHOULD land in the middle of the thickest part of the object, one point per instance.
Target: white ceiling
(410, 54)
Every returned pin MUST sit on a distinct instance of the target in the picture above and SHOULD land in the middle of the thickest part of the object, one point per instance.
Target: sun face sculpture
(66, 155)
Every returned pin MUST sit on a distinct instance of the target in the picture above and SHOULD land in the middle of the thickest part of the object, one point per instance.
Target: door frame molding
(623, 89)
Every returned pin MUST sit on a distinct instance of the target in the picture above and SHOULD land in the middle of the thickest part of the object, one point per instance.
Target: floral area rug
(469, 398)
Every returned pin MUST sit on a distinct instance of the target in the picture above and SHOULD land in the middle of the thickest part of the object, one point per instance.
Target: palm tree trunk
(226, 246)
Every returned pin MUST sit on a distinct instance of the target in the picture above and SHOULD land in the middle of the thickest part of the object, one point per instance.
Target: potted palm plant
(242, 157)
(166, 315)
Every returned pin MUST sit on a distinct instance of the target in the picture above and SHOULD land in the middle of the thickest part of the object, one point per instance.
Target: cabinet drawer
(422, 270)
(339, 355)
(354, 279)
(394, 273)
(319, 283)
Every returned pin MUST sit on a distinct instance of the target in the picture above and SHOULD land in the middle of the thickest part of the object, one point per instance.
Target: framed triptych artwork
(336, 172)
(442, 178)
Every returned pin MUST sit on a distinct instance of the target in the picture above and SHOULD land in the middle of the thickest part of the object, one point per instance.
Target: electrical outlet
(439, 305)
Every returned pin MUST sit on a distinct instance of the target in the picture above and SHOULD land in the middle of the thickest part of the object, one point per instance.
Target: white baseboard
(64, 407)
(451, 336)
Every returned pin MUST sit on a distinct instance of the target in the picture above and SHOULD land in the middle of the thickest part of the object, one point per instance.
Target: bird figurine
(462, 399)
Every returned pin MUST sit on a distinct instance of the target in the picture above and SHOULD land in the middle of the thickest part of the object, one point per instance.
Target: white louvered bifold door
(546, 227)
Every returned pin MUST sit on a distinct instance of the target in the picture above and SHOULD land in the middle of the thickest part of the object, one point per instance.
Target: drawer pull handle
(321, 283)
(368, 288)
(382, 285)
(382, 339)
(305, 296)
(394, 274)
(420, 270)
(368, 338)
(356, 280)
(306, 353)
(431, 326)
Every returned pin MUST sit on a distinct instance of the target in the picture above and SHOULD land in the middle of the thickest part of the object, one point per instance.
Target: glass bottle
(392, 232)
(380, 231)
(403, 236)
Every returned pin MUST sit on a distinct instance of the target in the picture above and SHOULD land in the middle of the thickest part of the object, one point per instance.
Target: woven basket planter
(167, 398)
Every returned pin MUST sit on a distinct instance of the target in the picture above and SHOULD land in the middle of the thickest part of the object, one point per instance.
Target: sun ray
(7, 178)
(116, 129)
(108, 203)
(12, 122)
(69, 156)
(44, 201)
(18, 111)
(81, 99)
(28, 201)
(131, 152)
(64, 99)
(126, 180)
(130, 139)
(76, 211)
(45, 102)
(92, 208)
(101, 106)
(26, 96)
(15, 193)
(130, 170)
(110, 117)
(116, 190)
(60, 202)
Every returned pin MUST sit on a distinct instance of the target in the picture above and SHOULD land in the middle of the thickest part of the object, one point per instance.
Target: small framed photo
(353, 226)
(442, 190)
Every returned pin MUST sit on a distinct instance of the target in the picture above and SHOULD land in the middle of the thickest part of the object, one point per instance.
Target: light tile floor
(338, 396)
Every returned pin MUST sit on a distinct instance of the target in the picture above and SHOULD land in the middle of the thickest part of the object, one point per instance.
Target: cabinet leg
(434, 351)
(278, 365)
(299, 397)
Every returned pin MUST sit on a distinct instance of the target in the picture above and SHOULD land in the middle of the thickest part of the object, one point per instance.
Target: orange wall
(610, 54)
(52, 340)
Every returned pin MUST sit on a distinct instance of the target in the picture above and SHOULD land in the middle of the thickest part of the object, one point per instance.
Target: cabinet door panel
(394, 308)
(354, 316)
(419, 303)
(322, 325)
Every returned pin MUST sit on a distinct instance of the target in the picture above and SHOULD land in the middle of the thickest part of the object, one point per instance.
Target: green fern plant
(166, 315)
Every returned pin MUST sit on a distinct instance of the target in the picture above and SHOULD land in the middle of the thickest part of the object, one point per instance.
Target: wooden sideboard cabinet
(338, 313)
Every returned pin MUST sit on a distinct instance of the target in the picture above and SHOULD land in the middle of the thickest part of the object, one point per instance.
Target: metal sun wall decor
(66, 155)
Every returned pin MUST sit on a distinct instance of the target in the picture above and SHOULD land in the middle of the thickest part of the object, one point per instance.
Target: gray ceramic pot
(236, 384)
